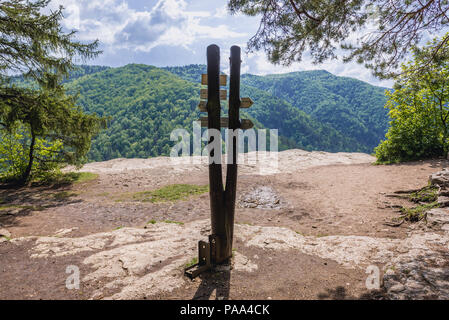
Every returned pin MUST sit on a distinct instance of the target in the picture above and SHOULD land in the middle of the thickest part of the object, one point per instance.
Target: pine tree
(33, 44)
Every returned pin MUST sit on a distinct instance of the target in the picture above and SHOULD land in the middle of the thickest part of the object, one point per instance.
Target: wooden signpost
(222, 198)
(224, 123)
(223, 79)
(245, 103)
(203, 94)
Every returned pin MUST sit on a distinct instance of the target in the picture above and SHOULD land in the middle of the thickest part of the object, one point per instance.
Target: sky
(177, 32)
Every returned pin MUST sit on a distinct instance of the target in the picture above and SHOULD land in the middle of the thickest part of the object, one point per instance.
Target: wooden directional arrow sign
(246, 103)
(223, 79)
(202, 106)
(223, 94)
(224, 123)
(246, 124)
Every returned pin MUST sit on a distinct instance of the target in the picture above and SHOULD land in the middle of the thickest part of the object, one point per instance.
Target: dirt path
(322, 225)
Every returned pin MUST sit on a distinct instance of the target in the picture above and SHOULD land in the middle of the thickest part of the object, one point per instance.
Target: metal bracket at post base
(207, 257)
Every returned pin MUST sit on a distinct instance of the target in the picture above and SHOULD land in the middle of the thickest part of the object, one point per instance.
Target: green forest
(313, 110)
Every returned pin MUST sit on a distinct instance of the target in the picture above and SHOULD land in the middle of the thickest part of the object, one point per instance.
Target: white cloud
(221, 12)
(115, 24)
(187, 26)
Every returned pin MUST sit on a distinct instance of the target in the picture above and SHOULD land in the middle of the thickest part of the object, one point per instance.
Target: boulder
(440, 178)
(438, 217)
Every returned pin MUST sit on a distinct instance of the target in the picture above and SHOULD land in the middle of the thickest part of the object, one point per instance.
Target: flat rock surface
(316, 229)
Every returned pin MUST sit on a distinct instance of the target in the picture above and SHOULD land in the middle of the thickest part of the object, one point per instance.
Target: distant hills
(313, 110)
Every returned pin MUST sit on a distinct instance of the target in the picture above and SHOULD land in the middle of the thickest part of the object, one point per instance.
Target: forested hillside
(353, 107)
(312, 110)
(144, 104)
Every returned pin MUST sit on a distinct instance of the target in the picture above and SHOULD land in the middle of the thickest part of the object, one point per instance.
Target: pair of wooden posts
(222, 200)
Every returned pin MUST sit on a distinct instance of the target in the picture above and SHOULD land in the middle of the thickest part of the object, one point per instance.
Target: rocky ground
(316, 226)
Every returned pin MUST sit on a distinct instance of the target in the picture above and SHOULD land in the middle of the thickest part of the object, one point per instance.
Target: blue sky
(177, 32)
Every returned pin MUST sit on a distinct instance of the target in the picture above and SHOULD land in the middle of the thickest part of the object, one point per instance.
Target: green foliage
(54, 125)
(292, 29)
(419, 212)
(419, 109)
(313, 110)
(173, 192)
(191, 263)
(426, 194)
(145, 104)
(343, 114)
(426, 199)
(14, 154)
(32, 40)
(52, 128)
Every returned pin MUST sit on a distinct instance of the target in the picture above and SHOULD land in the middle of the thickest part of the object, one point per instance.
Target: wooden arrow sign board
(223, 79)
(223, 94)
(224, 123)
(202, 106)
(245, 103)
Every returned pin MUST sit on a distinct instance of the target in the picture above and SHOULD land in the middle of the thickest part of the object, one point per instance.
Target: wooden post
(215, 175)
(222, 201)
(234, 124)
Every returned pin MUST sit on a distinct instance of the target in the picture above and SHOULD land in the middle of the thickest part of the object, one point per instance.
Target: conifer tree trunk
(27, 173)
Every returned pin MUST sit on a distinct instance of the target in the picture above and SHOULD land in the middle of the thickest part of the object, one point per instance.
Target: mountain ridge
(145, 103)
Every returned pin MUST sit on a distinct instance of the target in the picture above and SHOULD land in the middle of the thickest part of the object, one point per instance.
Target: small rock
(262, 197)
(5, 233)
(397, 288)
(413, 285)
(438, 217)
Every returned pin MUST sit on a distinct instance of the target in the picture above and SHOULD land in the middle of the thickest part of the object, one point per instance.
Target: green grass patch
(426, 194)
(118, 228)
(174, 192)
(152, 221)
(320, 235)
(175, 222)
(192, 262)
(426, 198)
(419, 212)
(81, 177)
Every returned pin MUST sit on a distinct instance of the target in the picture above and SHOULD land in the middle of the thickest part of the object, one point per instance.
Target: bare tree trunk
(27, 173)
